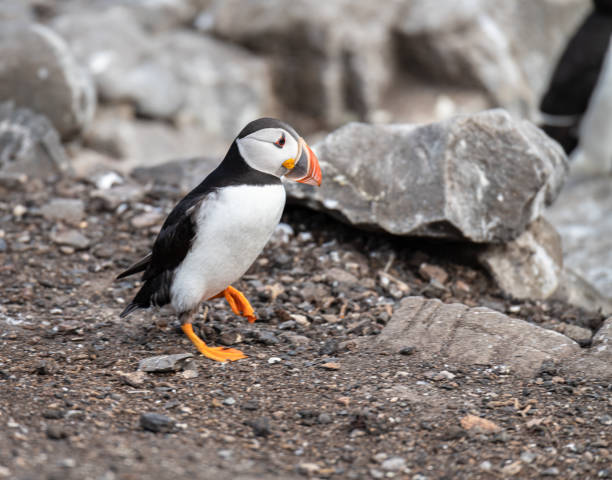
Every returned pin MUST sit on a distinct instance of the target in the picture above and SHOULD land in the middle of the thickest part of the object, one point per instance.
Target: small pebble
(165, 363)
(605, 420)
(444, 375)
(134, 379)
(393, 464)
(156, 422)
(56, 432)
(330, 366)
(225, 454)
(67, 463)
(528, 457)
(407, 350)
(324, 418)
(19, 211)
(380, 457)
(189, 374)
(260, 426)
(229, 401)
(273, 360)
(308, 468)
(550, 472)
(53, 413)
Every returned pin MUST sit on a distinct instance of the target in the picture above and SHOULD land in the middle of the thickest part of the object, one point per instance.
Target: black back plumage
(176, 235)
(578, 69)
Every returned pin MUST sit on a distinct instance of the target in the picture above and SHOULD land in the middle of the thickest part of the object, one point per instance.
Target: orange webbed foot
(239, 303)
(219, 354)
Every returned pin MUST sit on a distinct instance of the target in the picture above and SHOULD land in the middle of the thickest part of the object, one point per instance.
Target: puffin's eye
(280, 143)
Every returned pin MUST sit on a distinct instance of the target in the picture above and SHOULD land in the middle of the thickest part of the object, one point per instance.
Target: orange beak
(306, 169)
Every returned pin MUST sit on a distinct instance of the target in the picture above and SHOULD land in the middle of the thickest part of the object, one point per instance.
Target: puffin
(215, 233)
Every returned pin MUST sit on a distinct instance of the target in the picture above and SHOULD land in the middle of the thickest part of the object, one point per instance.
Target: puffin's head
(274, 147)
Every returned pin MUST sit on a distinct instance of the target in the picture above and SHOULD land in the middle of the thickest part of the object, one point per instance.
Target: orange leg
(220, 354)
(238, 303)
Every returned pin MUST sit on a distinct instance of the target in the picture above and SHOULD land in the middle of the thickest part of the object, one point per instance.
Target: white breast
(233, 226)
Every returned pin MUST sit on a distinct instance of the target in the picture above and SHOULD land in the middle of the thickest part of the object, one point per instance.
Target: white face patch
(260, 152)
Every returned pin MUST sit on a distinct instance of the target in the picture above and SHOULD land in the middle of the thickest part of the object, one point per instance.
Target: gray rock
(595, 362)
(165, 363)
(70, 238)
(225, 87)
(29, 144)
(529, 266)
(329, 66)
(38, 72)
(13, 11)
(175, 74)
(580, 335)
(482, 177)
(458, 45)
(470, 336)
(111, 198)
(12, 181)
(157, 423)
(393, 464)
(153, 15)
(135, 379)
(575, 290)
(260, 426)
(339, 64)
(70, 210)
(56, 432)
(147, 219)
(341, 276)
(143, 85)
(184, 174)
(120, 56)
(295, 339)
(138, 142)
(581, 214)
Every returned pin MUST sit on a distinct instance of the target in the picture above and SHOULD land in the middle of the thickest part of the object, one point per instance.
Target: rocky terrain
(439, 308)
(337, 384)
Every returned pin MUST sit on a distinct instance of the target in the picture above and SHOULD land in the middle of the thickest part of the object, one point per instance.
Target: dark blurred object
(575, 77)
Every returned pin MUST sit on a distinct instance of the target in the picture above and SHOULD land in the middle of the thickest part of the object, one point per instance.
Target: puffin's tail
(129, 309)
(139, 266)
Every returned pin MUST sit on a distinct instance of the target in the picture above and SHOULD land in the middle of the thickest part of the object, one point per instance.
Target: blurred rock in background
(38, 71)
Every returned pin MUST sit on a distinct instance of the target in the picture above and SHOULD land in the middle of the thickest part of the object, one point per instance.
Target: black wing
(169, 250)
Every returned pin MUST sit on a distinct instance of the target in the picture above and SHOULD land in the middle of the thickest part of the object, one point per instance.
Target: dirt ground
(308, 400)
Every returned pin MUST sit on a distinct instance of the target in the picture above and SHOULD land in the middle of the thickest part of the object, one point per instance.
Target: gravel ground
(308, 401)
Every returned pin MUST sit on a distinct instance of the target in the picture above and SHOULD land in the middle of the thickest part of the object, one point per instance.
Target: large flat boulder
(482, 177)
(472, 336)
